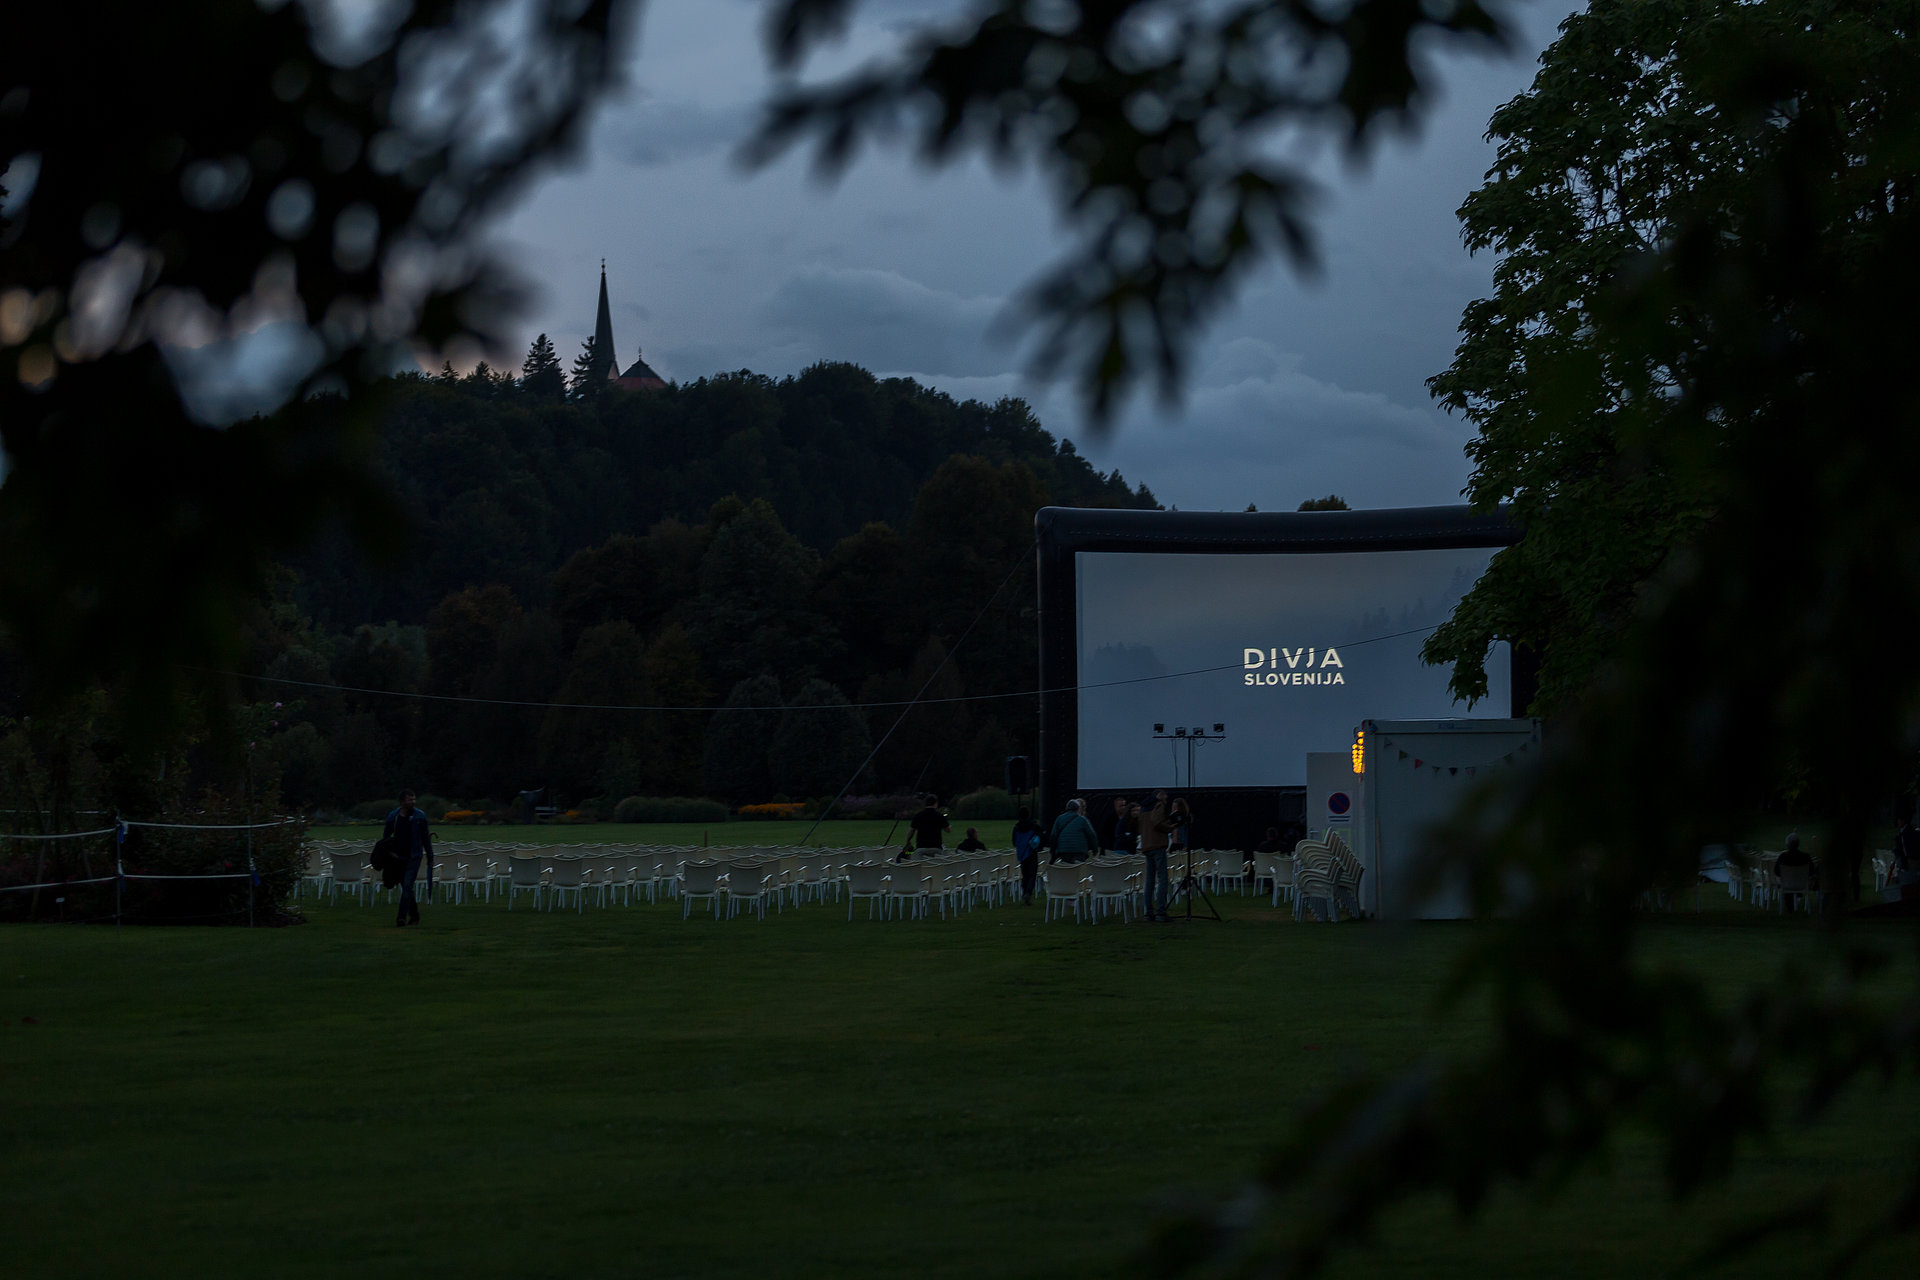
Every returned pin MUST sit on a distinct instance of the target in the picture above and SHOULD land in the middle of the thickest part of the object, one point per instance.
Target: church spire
(603, 358)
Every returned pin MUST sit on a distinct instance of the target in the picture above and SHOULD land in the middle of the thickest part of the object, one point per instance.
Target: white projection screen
(1289, 649)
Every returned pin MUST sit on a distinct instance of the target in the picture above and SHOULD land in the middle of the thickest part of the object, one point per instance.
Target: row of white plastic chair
(749, 880)
(1764, 884)
(554, 879)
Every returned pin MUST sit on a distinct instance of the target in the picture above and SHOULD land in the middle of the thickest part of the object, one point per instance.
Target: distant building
(639, 375)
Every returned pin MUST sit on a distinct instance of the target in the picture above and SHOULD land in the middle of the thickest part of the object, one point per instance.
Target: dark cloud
(1256, 427)
(884, 320)
(1299, 388)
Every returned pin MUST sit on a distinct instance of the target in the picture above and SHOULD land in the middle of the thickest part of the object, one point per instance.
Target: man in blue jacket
(407, 829)
(1072, 838)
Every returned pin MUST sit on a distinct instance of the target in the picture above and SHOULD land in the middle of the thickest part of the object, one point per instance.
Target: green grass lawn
(859, 833)
(623, 1093)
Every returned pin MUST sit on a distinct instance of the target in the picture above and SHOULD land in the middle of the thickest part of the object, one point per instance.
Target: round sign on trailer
(1338, 802)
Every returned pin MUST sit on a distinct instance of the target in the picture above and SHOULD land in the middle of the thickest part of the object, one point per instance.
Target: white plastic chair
(319, 871)
(908, 884)
(1277, 868)
(349, 872)
(751, 883)
(1761, 880)
(947, 884)
(1315, 881)
(1066, 886)
(569, 877)
(867, 880)
(1795, 882)
(524, 875)
(1108, 887)
(699, 880)
(1229, 868)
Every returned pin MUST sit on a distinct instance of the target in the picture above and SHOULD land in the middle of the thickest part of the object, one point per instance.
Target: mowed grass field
(621, 1093)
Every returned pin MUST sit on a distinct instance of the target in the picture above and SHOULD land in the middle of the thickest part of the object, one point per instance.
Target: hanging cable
(905, 711)
(836, 706)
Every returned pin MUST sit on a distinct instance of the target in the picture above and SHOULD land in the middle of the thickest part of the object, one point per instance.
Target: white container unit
(1333, 796)
(1416, 774)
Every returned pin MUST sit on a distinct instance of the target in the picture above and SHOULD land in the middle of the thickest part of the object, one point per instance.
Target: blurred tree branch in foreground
(1711, 324)
(187, 175)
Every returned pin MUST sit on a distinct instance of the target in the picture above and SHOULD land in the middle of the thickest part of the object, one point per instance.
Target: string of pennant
(1454, 770)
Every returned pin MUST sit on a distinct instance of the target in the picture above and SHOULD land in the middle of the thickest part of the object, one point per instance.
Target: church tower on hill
(639, 375)
(602, 367)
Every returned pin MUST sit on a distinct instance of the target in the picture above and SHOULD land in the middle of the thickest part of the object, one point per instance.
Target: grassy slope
(622, 1093)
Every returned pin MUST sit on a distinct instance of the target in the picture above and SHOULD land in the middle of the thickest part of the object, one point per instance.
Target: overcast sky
(1302, 389)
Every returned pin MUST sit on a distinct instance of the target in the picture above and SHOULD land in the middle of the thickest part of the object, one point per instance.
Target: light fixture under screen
(1159, 728)
(1179, 733)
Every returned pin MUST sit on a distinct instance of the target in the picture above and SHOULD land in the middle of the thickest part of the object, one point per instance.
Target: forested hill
(506, 482)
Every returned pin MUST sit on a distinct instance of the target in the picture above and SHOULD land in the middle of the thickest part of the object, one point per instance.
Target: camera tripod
(1188, 886)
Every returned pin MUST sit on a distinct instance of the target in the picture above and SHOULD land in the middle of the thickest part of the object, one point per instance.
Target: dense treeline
(506, 480)
(784, 548)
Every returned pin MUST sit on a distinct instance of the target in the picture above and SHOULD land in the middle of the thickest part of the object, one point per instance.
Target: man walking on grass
(410, 839)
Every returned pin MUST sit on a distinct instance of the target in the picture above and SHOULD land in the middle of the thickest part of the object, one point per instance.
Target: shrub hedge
(668, 809)
(987, 802)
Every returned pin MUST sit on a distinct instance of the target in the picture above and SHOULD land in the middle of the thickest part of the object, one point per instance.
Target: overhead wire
(833, 706)
(934, 675)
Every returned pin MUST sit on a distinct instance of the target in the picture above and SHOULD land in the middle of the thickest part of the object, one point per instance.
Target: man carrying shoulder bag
(411, 844)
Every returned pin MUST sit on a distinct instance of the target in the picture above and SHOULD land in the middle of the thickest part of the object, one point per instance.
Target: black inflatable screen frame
(1062, 532)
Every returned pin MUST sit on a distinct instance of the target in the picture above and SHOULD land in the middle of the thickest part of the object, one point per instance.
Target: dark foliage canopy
(505, 485)
(185, 172)
(1693, 372)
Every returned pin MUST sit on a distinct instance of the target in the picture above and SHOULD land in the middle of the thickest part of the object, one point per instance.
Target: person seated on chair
(1271, 844)
(1073, 838)
(973, 843)
(1795, 856)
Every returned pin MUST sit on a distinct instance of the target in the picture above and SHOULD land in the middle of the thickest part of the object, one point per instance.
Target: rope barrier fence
(157, 878)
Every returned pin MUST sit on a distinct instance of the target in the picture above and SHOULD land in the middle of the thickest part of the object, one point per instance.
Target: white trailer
(1414, 774)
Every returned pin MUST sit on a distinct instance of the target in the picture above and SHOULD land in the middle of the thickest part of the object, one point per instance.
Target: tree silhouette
(540, 374)
(588, 380)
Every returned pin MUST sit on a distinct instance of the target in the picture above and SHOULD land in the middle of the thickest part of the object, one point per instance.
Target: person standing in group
(1026, 841)
(1180, 839)
(411, 840)
(928, 824)
(1904, 868)
(1117, 825)
(1073, 838)
(1156, 824)
(1129, 841)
